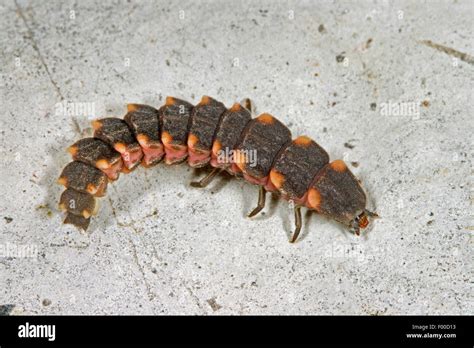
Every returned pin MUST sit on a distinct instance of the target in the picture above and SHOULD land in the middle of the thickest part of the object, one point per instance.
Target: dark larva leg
(207, 179)
(298, 224)
(262, 193)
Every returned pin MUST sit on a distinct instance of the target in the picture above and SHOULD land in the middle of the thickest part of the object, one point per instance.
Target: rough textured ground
(336, 71)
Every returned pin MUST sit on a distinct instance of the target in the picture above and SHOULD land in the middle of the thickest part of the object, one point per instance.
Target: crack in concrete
(73, 246)
(193, 295)
(449, 51)
(36, 48)
(131, 225)
(114, 213)
(150, 293)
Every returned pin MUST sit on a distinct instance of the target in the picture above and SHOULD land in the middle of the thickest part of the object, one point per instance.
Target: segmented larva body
(260, 150)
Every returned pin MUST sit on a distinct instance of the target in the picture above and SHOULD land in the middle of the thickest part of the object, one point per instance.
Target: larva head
(336, 192)
(362, 220)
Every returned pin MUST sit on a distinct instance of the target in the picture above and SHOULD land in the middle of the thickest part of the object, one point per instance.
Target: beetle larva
(260, 150)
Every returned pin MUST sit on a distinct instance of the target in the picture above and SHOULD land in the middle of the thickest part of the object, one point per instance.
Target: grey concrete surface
(387, 86)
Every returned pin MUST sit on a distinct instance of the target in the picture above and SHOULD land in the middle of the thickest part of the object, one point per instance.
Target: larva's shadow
(305, 230)
(161, 181)
(121, 205)
(122, 199)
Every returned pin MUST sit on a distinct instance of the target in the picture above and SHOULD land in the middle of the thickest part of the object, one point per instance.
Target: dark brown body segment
(144, 120)
(296, 166)
(78, 221)
(204, 121)
(98, 154)
(231, 125)
(175, 118)
(336, 192)
(78, 203)
(264, 136)
(116, 133)
(84, 178)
